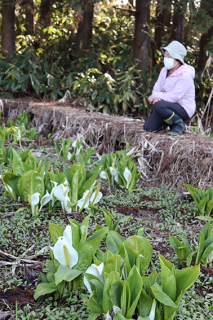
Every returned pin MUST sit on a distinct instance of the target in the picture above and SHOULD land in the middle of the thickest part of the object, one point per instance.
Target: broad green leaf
(206, 229)
(44, 288)
(202, 205)
(84, 229)
(17, 163)
(88, 184)
(99, 289)
(74, 187)
(162, 297)
(55, 232)
(114, 241)
(108, 219)
(144, 304)
(208, 241)
(75, 233)
(207, 252)
(209, 207)
(185, 279)
(135, 282)
(125, 298)
(115, 293)
(113, 264)
(141, 246)
(200, 247)
(108, 280)
(117, 222)
(168, 280)
(174, 242)
(30, 183)
(182, 253)
(65, 273)
(93, 304)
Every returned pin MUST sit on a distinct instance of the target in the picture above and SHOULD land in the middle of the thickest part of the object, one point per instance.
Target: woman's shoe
(176, 124)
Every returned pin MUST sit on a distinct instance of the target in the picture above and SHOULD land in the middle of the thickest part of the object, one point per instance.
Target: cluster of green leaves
(120, 167)
(74, 151)
(203, 200)
(202, 254)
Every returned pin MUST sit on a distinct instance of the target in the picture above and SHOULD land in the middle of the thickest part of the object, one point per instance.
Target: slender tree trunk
(167, 15)
(205, 39)
(7, 29)
(141, 35)
(159, 26)
(178, 22)
(84, 33)
(29, 9)
(45, 12)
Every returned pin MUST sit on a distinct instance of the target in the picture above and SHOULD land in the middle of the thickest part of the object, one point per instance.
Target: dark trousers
(161, 112)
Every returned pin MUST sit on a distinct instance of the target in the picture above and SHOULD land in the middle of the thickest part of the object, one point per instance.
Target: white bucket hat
(176, 50)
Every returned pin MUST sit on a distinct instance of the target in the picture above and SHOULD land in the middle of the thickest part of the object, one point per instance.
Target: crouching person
(173, 95)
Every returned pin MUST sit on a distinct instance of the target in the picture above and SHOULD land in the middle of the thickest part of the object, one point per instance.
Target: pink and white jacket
(177, 87)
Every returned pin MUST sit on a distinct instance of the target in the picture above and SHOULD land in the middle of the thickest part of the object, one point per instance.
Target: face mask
(169, 63)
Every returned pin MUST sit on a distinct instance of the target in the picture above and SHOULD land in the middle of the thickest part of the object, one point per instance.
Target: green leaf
(162, 297)
(201, 240)
(55, 232)
(141, 246)
(93, 304)
(44, 288)
(17, 163)
(84, 229)
(30, 183)
(74, 187)
(108, 280)
(108, 219)
(65, 273)
(135, 282)
(113, 264)
(185, 279)
(76, 235)
(115, 293)
(144, 304)
(114, 241)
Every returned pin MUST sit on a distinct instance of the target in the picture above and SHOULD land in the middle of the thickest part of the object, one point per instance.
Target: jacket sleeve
(180, 89)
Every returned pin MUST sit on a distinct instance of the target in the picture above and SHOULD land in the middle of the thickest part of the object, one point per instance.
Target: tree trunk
(7, 29)
(167, 15)
(178, 22)
(84, 33)
(204, 40)
(29, 9)
(45, 12)
(141, 35)
(159, 26)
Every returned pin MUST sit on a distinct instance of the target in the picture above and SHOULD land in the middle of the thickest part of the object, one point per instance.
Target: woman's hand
(150, 99)
(156, 100)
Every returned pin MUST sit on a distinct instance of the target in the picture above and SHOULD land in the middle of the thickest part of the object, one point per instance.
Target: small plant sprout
(127, 176)
(63, 250)
(34, 201)
(96, 271)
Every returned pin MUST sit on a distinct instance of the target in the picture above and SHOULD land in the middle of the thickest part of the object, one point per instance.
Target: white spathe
(114, 173)
(67, 234)
(127, 176)
(97, 199)
(44, 200)
(53, 198)
(61, 193)
(69, 155)
(80, 202)
(74, 144)
(103, 175)
(34, 201)
(59, 252)
(211, 257)
(78, 151)
(152, 312)
(116, 309)
(108, 316)
(95, 271)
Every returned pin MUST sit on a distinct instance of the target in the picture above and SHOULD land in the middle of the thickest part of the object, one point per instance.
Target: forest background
(103, 52)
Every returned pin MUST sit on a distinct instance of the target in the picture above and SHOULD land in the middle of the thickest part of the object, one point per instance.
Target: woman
(173, 95)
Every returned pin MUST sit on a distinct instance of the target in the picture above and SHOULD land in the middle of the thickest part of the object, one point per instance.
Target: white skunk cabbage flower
(94, 200)
(78, 151)
(95, 271)
(53, 198)
(19, 136)
(108, 316)
(80, 202)
(69, 155)
(34, 201)
(114, 173)
(211, 257)
(61, 193)
(127, 176)
(63, 250)
(116, 309)
(74, 144)
(44, 200)
(152, 311)
(103, 175)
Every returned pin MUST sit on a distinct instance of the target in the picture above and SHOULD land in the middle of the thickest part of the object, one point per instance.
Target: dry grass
(162, 159)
